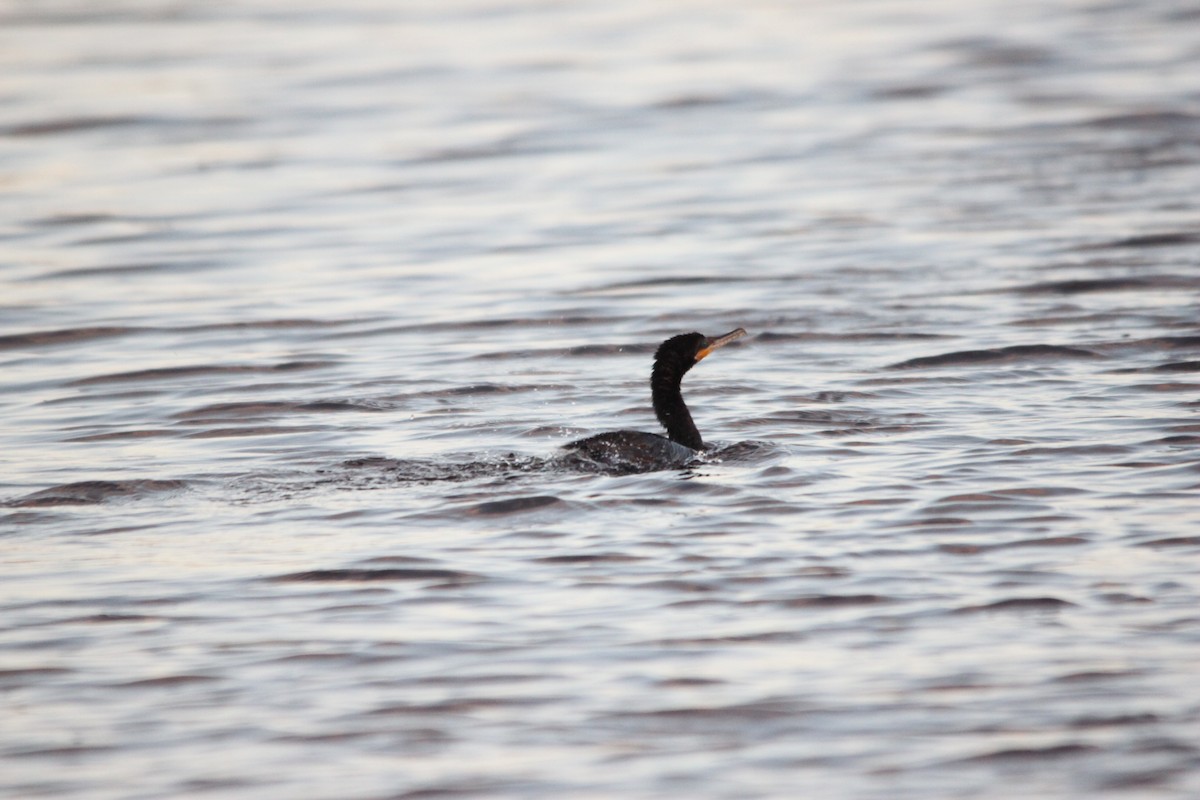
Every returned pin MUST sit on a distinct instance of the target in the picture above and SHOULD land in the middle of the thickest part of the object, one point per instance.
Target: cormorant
(635, 451)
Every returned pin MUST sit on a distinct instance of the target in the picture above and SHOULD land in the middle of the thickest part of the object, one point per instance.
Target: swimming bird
(636, 451)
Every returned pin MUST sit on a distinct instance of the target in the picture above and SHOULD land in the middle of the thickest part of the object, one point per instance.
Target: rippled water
(300, 301)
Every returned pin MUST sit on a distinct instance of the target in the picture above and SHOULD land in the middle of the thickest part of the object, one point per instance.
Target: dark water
(300, 301)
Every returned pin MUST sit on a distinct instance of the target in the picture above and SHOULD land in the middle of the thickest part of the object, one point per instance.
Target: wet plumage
(637, 451)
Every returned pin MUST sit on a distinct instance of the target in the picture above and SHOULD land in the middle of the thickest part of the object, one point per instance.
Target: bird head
(686, 350)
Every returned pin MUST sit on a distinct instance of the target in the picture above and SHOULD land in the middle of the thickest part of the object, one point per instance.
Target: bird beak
(720, 341)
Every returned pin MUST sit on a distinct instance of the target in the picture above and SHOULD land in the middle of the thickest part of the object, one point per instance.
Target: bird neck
(669, 407)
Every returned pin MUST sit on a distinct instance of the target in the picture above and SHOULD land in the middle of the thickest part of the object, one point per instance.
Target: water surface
(300, 301)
